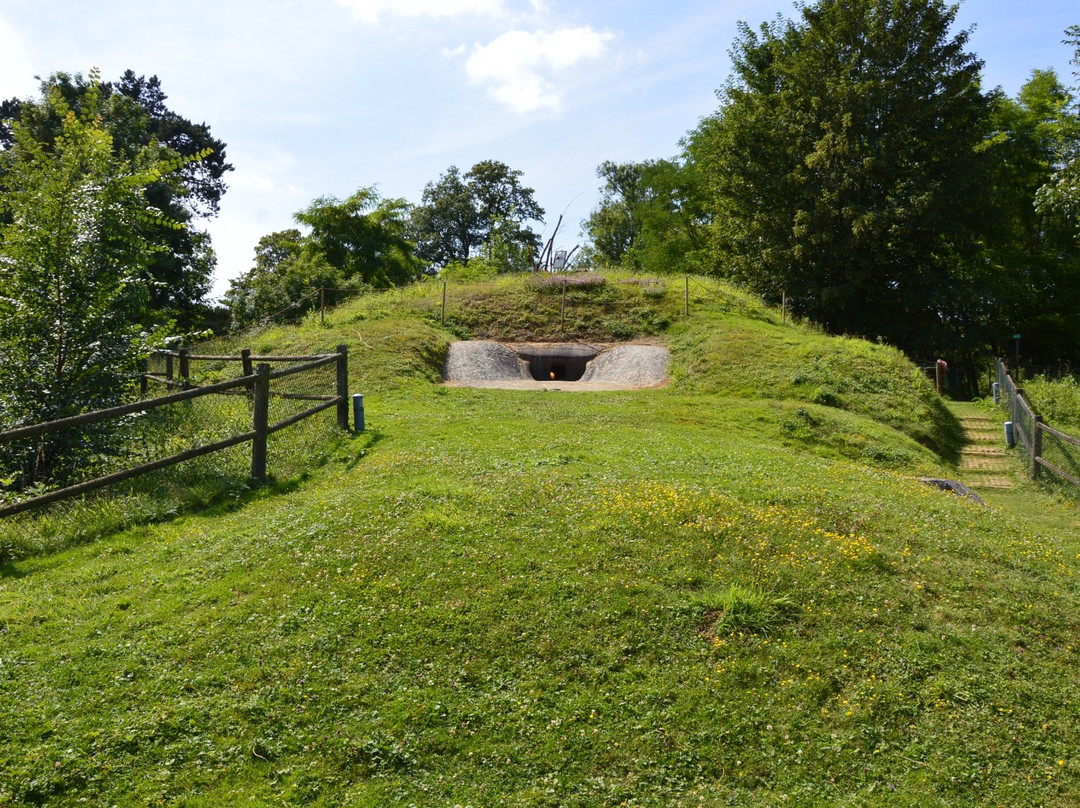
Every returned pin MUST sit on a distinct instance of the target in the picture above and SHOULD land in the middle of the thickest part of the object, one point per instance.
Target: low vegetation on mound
(729, 591)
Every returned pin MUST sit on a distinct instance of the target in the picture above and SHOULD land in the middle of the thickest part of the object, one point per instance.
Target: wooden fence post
(168, 366)
(185, 368)
(245, 361)
(322, 305)
(343, 387)
(260, 422)
(1036, 446)
(144, 383)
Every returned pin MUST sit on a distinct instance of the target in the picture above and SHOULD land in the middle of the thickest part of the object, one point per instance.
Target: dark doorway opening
(562, 363)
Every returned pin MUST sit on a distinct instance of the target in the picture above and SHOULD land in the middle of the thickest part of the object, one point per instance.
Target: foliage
(363, 237)
(650, 216)
(1057, 400)
(355, 243)
(284, 284)
(134, 113)
(1035, 282)
(71, 256)
(844, 168)
(1060, 196)
(486, 208)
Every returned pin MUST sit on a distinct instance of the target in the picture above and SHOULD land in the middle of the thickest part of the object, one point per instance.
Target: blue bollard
(358, 412)
(1010, 436)
(997, 393)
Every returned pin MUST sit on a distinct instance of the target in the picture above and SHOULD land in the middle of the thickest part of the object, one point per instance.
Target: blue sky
(318, 97)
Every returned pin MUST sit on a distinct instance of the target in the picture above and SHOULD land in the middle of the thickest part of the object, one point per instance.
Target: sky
(323, 97)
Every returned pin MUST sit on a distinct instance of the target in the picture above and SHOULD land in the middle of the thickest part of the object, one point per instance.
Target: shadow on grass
(950, 433)
(11, 571)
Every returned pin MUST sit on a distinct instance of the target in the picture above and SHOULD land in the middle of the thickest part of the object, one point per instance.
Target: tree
(1060, 196)
(72, 249)
(363, 237)
(460, 213)
(134, 113)
(353, 243)
(1033, 251)
(651, 216)
(845, 168)
(614, 226)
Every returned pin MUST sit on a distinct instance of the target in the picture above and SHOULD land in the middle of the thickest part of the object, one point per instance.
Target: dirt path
(984, 464)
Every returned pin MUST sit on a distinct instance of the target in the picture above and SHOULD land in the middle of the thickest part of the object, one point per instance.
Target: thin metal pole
(686, 307)
(443, 318)
(562, 310)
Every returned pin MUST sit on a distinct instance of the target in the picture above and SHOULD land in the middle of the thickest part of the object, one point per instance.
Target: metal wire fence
(1041, 446)
(196, 409)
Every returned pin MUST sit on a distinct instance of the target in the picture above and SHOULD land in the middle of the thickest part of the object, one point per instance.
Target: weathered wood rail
(256, 381)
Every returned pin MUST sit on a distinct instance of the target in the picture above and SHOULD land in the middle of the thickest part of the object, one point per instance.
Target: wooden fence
(1033, 436)
(256, 382)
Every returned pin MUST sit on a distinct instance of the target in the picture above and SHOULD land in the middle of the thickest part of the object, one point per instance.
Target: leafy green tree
(72, 250)
(459, 213)
(134, 112)
(614, 226)
(1060, 196)
(353, 243)
(364, 237)
(283, 283)
(845, 167)
(1033, 251)
(651, 216)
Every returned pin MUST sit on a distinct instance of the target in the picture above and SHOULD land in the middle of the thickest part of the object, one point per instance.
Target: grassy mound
(728, 591)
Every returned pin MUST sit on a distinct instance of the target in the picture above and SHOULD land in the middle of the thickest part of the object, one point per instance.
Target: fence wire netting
(1043, 448)
(1061, 452)
(1020, 414)
(89, 452)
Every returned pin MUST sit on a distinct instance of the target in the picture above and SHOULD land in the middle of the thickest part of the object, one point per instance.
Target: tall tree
(134, 112)
(1060, 196)
(844, 168)
(363, 236)
(1034, 253)
(71, 252)
(460, 213)
(352, 243)
(651, 216)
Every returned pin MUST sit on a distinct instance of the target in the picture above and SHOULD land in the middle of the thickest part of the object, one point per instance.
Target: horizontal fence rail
(258, 382)
(1037, 440)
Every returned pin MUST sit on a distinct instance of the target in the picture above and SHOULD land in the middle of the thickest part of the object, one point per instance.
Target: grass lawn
(726, 592)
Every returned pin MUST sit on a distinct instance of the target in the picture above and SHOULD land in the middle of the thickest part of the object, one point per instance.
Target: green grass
(1056, 400)
(717, 593)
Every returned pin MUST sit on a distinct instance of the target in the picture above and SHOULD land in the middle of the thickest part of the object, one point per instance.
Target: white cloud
(369, 11)
(518, 66)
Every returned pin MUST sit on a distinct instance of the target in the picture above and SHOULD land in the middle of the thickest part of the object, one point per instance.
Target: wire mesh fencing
(204, 426)
(1042, 446)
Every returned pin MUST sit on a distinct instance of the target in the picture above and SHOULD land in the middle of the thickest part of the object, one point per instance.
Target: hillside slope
(727, 591)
